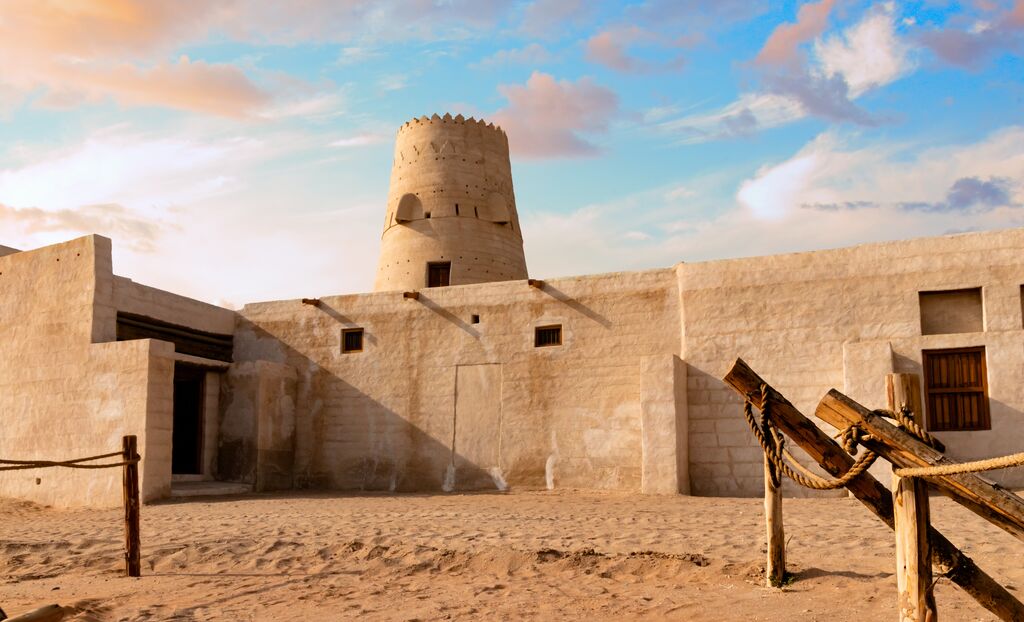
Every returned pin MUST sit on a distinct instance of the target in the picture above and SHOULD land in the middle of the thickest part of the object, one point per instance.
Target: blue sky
(240, 150)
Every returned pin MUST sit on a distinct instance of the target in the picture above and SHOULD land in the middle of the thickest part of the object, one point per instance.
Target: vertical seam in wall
(455, 413)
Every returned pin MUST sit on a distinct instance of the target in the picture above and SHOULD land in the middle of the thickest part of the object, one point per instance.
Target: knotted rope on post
(21, 465)
(773, 443)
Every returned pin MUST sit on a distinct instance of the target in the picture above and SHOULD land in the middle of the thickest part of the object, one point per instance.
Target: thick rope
(991, 464)
(775, 451)
(782, 462)
(21, 465)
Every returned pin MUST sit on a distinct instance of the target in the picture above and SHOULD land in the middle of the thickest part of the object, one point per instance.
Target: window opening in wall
(352, 340)
(544, 336)
(426, 214)
(956, 389)
(456, 209)
(439, 273)
(951, 311)
(474, 319)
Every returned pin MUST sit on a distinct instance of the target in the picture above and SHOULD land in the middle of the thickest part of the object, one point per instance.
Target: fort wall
(436, 401)
(844, 318)
(63, 395)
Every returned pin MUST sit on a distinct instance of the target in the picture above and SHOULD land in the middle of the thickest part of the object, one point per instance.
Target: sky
(239, 150)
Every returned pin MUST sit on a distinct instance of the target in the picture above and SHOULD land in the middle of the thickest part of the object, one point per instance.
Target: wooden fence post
(775, 566)
(911, 514)
(132, 538)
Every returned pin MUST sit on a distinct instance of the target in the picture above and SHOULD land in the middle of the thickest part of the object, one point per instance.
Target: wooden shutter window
(439, 274)
(957, 390)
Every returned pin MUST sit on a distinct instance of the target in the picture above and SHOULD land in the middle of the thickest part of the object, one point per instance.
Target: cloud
(109, 219)
(62, 54)
(546, 117)
(840, 68)
(88, 50)
(750, 112)
(697, 15)
(867, 55)
(970, 48)
(823, 96)
(611, 49)
(359, 140)
(532, 54)
(547, 18)
(831, 193)
(970, 194)
(831, 174)
(782, 46)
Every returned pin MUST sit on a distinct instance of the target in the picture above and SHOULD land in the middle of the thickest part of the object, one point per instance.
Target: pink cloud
(969, 48)
(545, 116)
(93, 49)
(781, 46)
(611, 49)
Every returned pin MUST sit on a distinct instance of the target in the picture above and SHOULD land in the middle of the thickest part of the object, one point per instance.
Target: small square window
(544, 336)
(352, 340)
(474, 319)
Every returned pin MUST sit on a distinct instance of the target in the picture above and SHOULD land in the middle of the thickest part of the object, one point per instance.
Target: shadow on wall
(575, 305)
(321, 432)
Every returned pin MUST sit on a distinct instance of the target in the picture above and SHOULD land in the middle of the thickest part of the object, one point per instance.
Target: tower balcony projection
(451, 215)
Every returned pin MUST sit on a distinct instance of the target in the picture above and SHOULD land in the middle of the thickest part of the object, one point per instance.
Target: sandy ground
(519, 556)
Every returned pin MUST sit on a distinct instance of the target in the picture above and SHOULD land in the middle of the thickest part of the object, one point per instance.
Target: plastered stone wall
(808, 322)
(132, 297)
(64, 396)
(663, 425)
(385, 418)
(450, 199)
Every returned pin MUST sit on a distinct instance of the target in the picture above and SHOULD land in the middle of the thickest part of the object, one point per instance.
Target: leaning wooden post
(911, 516)
(132, 538)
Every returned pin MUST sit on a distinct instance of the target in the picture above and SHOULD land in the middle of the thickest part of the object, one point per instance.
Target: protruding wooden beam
(311, 301)
(411, 295)
(998, 506)
(916, 599)
(536, 283)
(957, 567)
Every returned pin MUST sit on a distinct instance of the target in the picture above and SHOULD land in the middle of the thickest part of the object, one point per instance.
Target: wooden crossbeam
(946, 558)
(998, 506)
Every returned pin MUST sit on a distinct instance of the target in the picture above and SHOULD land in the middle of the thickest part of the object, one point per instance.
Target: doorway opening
(187, 434)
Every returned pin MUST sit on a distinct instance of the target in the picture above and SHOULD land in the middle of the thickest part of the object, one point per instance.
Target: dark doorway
(187, 436)
(439, 274)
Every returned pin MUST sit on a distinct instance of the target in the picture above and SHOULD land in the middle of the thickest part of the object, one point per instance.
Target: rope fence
(20, 465)
(772, 442)
(130, 463)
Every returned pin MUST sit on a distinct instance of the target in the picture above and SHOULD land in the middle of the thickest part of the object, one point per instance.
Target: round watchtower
(451, 214)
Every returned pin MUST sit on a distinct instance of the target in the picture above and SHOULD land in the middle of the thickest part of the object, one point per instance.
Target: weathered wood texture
(998, 506)
(913, 554)
(132, 538)
(775, 565)
(946, 558)
(905, 390)
(916, 599)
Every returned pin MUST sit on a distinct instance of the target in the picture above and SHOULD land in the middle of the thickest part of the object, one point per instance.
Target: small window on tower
(439, 274)
(352, 340)
(544, 336)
